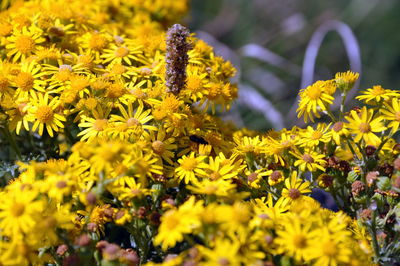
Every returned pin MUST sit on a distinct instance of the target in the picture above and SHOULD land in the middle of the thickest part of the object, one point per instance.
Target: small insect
(197, 139)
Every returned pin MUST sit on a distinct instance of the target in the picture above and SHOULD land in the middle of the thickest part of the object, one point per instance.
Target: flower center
(194, 84)
(294, 193)
(115, 91)
(377, 90)
(223, 261)
(275, 176)
(329, 249)
(252, 177)
(189, 164)
(316, 135)
(299, 241)
(337, 126)
(61, 184)
(364, 128)
(131, 122)
(44, 114)
(97, 42)
(308, 158)
(215, 175)
(121, 52)
(3, 84)
(100, 124)
(24, 81)
(25, 44)
(210, 189)
(314, 92)
(158, 147)
(18, 209)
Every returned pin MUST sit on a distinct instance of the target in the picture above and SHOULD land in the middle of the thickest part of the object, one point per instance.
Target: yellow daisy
(363, 125)
(392, 113)
(23, 43)
(44, 114)
(190, 166)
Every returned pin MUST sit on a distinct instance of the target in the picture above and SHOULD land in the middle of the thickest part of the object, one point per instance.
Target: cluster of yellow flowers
(114, 168)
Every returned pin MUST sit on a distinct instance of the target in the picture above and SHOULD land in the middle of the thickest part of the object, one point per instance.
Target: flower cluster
(107, 166)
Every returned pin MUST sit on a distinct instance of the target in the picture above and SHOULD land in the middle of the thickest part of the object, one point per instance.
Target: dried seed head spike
(176, 58)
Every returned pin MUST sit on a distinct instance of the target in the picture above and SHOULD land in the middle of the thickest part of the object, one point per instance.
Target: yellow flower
(312, 137)
(190, 166)
(224, 252)
(44, 113)
(219, 187)
(125, 53)
(377, 94)
(162, 145)
(313, 99)
(95, 127)
(28, 80)
(331, 248)
(176, 223)
(392, 113)
(132, 123)
(23, 43)
(338, 131)
(295, 239)
(20, 211)
(364, 125)
(294, 188)
(196, 83)
(309, 160)
(345, 80)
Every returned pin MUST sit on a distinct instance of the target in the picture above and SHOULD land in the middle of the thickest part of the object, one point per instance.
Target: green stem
(375, 244)
(329, 113)
(344, 96)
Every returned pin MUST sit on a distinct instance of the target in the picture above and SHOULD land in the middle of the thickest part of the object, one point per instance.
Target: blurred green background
(280, 31)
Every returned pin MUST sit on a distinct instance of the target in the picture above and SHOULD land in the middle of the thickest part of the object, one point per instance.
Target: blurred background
(267, 41)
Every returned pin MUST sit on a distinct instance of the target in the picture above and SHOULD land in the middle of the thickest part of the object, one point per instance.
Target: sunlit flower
(24, 42)
(363, 125)
(44, 114)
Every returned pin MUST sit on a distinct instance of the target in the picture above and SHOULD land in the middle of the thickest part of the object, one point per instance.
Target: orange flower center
(316, 135)
(194, 84)
(215, 176)
(97, 42)
(329, 249)
(314, 92)
(377, 90)
(364, 128)
(25, 44)
(189, 164)
(25, 81)
(100, 124)
(44, 114)
(115, 91)
(299, 241)
(121, 52)
(18, 209)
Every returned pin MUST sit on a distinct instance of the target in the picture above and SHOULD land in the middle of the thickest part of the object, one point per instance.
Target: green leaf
(352, 176)
(384, 183)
